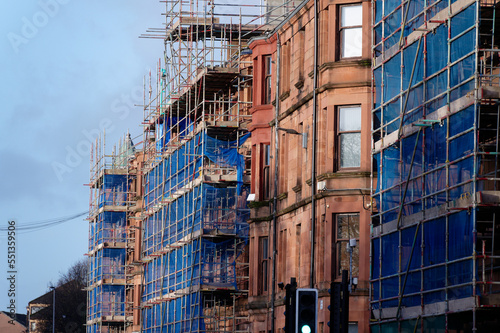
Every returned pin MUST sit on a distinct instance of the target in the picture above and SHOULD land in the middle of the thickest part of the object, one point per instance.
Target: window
(267, 79)
(351, 20)
(349, 136)
(266, 179)
(285, 68)
(283, 164)
(347, 227)
(263, 264)
(282, 254)
(353, 327)
(300, 54)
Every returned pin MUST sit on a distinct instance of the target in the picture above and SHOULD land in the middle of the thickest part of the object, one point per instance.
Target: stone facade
(343, 171)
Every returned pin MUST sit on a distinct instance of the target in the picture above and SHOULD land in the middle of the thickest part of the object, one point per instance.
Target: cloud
(27, 181)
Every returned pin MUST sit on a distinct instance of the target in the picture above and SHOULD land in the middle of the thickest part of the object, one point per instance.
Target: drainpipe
(275, 199)
(314, 138)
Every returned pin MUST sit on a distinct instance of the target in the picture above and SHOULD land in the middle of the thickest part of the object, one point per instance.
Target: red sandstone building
(313, 84)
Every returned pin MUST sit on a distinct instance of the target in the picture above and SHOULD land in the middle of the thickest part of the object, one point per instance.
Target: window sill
(282, 196)
(344, 62)
(285, 95)
(299, 84)
(344, 173)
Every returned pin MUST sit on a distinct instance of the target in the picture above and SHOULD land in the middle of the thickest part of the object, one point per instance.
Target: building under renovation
(168, 217)
(436, 124)
(114, 201)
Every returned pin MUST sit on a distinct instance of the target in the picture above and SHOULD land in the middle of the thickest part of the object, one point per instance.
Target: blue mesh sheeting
(110, 227)
(391, 163)
(391, 111)
(106, 300)
(436, 85)
(463, 45)
(409, 55)
(377, 76)
(113, 300)
(460, 235)
(175, 315)
(462, 21)
(113, 191)
(390, 262)
(390, 5)
(435, 146)
(225, 154)
(408, 237)
(442, 179)
(462, 70)
(165, 128)
(205, 207)
(435, 42)
(376, 256)
(462, 89)
(434, 242)
(177, 212)
(392, 78)
(389, 289)
(107, 263)
(462, 121)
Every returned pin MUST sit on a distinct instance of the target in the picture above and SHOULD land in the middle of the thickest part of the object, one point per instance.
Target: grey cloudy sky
(68, 68)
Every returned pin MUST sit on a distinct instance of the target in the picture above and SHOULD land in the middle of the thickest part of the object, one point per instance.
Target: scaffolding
(196, 169)
(435, 258)
(110, 201)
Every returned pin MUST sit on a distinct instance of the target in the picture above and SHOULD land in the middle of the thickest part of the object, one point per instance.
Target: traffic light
(290, 306)
(306, 310)
(339, 305)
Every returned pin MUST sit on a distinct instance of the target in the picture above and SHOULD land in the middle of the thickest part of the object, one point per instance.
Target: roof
(282, 23)
(47, 297)
(6, 326)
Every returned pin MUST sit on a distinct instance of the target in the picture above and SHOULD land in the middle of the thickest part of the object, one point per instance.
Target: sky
(69, 68)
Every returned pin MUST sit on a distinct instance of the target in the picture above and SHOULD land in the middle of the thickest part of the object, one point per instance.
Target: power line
(44, 224)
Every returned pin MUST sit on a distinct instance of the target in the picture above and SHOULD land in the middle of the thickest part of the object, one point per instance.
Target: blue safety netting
(225, 154)
(106, 300)
(183, 165)
(109, 227)
(180, 213)
(113, 191)
(171, 127)
(431, 239)
(435, 324)
(175, 316)
(205, 207)
(107, 263)
(415, 80)
(200, 263)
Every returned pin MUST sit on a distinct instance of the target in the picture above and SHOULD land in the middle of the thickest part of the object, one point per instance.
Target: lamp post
(53, 308)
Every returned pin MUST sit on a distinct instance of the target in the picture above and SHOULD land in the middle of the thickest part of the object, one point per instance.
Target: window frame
(265, 181)
(267, 72)
(263, 280)
(340, 133)
(340, 243)
(342, 28)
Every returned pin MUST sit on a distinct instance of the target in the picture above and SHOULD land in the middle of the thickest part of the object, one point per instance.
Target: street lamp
(294, 132)
(53, 308)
